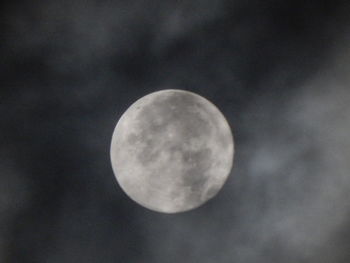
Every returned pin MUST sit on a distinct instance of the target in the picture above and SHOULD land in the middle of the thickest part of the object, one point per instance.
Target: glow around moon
(172, 151)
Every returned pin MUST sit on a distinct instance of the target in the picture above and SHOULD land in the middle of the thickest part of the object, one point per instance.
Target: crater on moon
(171, 151)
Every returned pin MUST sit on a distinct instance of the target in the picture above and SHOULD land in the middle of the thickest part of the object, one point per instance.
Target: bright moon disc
(172, 151)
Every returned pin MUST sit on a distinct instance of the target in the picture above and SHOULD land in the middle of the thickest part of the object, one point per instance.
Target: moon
(172, 151)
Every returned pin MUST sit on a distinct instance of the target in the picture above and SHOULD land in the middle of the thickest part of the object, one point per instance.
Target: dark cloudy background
(278, 70)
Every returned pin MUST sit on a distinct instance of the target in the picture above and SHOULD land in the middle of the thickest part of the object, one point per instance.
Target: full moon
(171, 151)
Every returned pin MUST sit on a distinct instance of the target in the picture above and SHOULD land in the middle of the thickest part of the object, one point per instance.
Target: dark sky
(278, 70)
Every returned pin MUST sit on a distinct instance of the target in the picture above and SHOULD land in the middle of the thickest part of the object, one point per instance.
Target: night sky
(279, 70)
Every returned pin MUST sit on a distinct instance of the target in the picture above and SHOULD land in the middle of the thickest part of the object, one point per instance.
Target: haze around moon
(172, 151)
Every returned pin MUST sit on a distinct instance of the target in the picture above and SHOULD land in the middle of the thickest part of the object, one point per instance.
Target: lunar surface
(172, 151)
